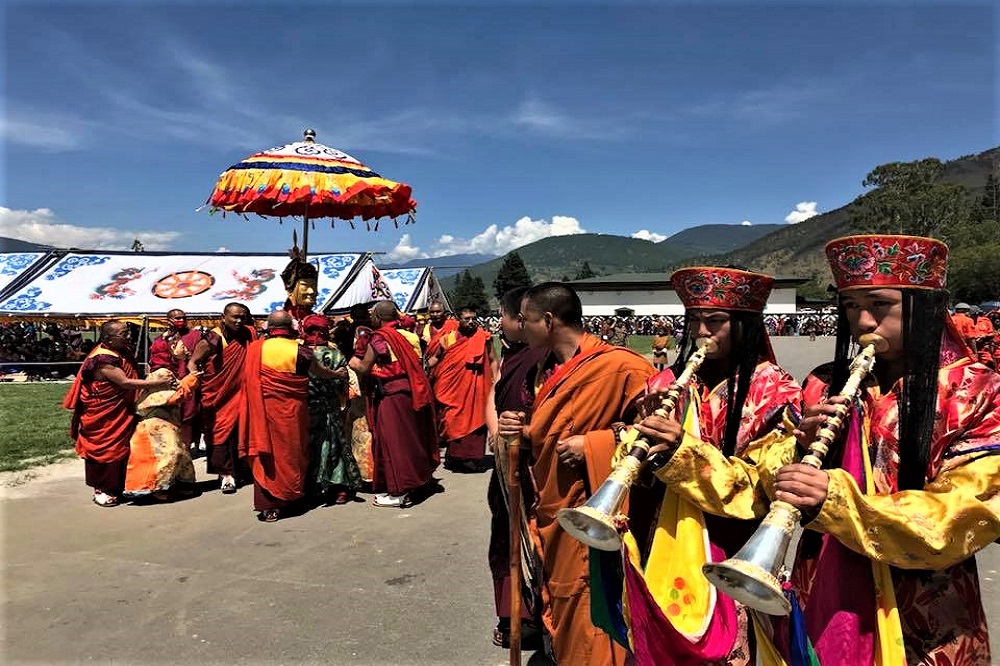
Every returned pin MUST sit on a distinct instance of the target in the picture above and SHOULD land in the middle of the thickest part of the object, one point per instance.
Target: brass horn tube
(596, 523)
(751, 576)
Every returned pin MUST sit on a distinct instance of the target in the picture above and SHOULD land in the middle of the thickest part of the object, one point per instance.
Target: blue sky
(511, 122)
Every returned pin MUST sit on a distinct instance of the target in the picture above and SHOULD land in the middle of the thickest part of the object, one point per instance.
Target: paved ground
(202, 582)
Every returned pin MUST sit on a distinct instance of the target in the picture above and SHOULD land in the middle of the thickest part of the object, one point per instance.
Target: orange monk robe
(982, 332)
(462, 381)
(431, 337)
(222, 385)
(964, 324)
(274, 423)
(103, 414)
(589, 393)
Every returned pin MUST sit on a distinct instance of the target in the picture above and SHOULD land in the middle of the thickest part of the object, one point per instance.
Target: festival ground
(202, 582)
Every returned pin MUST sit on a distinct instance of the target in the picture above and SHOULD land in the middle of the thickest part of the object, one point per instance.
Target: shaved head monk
(274, 424)
(400, 408)
(582, 388)
(221, 354)
(103, 402)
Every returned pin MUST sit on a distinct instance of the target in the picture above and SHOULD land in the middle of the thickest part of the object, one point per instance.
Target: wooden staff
(514, 511)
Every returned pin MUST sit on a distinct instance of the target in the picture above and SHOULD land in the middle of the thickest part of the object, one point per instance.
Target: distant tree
(585, 272)
(988, 204)
(909, 199)
(470, 291)
(512, 274)
(974, 274)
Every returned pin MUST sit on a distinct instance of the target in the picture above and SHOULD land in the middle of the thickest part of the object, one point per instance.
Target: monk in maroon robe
(221, 355)
(512, 392)
(102, 398)
(173, 350)
(400, 409)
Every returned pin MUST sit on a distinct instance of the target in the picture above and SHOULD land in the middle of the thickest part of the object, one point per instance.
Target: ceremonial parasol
(311, 180)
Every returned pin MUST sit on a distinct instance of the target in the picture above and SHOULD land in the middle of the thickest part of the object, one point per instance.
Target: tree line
(912, 198)
(470, 290)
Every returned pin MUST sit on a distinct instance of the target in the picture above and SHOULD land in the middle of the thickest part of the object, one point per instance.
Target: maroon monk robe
(222, 397)
(401, 415)
(103, 420)
(512, 392)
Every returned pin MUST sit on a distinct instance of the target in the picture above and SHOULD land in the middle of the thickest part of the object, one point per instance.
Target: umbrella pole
(305, 233)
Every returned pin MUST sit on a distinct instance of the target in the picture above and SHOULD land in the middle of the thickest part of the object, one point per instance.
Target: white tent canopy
(16, 265)
(414, 288)
(96, 284)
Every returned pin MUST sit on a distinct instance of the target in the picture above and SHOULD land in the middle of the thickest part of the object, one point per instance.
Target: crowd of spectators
(33, 351)
(617, 330)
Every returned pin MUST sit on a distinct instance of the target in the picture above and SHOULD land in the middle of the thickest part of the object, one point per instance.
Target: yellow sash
(680, 547)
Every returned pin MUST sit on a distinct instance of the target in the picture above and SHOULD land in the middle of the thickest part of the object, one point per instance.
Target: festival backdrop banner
(413, 289)
(15, 264)
(147, 283)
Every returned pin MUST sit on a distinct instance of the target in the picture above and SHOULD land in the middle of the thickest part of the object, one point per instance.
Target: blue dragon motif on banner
(401, 299)
(11, 264)
(70, 264)
(26, 302)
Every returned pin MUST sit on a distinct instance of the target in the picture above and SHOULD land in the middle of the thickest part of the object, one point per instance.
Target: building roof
(620, 281)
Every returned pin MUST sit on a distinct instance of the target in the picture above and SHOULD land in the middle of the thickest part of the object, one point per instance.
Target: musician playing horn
(909, 494)
(703, 501)
(581, 387)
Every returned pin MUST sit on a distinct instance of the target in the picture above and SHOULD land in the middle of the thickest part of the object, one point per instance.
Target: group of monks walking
(907, 497)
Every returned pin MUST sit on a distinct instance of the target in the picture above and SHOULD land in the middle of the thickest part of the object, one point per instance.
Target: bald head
(279, 319)
(385, 311)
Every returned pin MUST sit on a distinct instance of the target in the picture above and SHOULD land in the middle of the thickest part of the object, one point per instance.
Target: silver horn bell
(752, 576)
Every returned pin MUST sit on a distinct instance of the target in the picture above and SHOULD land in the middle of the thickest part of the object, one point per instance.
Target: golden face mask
(303, 293)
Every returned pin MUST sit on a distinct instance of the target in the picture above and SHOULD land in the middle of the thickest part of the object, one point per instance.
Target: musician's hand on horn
(663, 433)
(512, 424)
(802, 486)
(813, 418)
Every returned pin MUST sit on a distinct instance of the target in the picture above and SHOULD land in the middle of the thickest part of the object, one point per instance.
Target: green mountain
(561, 257)
(797, 249)
(777, 249)
(709, 239)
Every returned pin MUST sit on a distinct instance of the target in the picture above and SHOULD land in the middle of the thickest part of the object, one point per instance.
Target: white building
(651, 294)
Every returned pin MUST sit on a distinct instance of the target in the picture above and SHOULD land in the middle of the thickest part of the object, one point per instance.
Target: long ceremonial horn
(598, 522)
(753, 575)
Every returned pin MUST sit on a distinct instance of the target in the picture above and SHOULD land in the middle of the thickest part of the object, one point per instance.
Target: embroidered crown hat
(889, 261)
(722, 288)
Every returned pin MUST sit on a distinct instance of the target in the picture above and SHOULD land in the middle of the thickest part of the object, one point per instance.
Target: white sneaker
(227, 484)
(392, 501)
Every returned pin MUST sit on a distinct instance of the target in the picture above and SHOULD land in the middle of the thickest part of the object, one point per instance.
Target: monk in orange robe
(221, 355)
(102, 398)
(582, 388)
(274, 421)
(461, 373)
(439, 324)
(982, 333)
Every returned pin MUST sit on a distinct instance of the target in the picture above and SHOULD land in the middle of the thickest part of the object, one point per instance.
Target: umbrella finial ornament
(309, 134)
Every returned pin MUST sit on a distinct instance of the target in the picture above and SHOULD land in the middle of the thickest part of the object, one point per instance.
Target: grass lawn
(34, 427)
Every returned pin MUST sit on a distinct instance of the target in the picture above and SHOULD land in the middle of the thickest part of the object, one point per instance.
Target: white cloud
(803, 211)
(746, 223)
(42, 226)
(405, 250)
(645, 234)
(223, 249)
(497, 241)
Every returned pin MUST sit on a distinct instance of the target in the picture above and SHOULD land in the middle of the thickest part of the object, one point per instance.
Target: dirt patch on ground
(31, 482)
